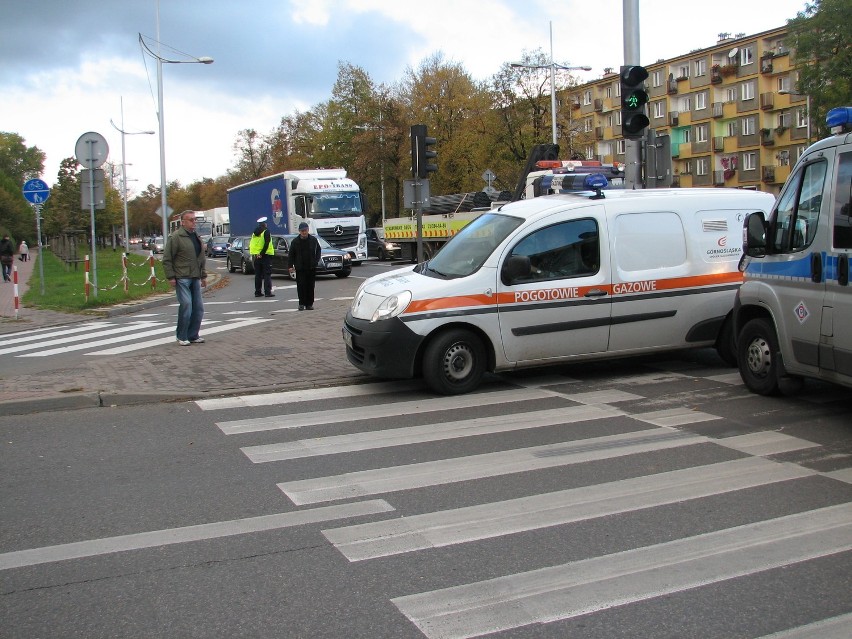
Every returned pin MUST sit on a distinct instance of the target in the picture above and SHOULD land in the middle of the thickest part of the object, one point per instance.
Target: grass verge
(64, 285)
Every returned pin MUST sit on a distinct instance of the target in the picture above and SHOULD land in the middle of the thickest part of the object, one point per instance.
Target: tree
(17, 160)
(254, 155)
(822, 45)
(16, 215)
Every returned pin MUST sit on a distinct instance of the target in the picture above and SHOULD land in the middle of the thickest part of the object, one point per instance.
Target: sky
(68, 67)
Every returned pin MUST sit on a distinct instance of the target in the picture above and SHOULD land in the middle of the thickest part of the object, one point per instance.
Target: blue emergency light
(839, 117)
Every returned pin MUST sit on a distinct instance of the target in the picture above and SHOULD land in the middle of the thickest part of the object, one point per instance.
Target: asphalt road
(649, 498)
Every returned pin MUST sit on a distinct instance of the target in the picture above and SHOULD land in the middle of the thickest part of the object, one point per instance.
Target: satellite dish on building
(733, 52)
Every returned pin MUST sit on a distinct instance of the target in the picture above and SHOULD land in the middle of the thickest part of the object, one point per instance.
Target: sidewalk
(292, 351)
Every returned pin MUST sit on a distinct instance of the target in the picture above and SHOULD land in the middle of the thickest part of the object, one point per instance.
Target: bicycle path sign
(36, 191)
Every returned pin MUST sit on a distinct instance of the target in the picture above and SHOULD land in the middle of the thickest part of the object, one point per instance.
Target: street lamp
(124, 170)
(807, 111)
(160, 61)
(552, 66)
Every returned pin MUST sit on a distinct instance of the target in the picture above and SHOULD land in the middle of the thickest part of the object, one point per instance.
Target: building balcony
(768, 174)
(673, 118)
(718, 143)
(767, 100)
(598, 104)
(672, 87)
(718, 109)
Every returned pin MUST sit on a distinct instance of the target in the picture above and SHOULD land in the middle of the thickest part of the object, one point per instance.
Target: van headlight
(392, 306)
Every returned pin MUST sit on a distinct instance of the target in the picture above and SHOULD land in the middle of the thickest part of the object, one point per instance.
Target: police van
(794, 311)
(559, 278)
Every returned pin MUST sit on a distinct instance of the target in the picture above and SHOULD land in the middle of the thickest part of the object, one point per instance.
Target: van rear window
(646, 241)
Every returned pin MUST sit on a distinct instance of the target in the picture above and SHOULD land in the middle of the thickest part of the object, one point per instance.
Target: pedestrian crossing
(108, 337)
(582, 456)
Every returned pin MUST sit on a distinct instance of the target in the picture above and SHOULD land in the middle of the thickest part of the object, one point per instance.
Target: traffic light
(421, 156)
(633, 101)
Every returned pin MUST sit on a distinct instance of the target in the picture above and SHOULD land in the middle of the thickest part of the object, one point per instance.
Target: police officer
(260, 248)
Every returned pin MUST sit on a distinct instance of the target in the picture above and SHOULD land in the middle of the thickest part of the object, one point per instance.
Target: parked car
(378, 247)
(332, 262)
(238, 256)
(157, 244)
(217, 246)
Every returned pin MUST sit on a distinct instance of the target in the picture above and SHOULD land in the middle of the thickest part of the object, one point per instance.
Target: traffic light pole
(633, 148)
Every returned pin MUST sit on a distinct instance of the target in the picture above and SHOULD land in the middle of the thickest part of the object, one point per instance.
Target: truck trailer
(326, 199)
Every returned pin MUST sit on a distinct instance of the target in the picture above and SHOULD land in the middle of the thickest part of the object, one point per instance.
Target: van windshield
(469, 249)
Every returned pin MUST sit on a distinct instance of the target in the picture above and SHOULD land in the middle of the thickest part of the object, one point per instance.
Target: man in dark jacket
(305, 252)
(184, 263)
(7, 257)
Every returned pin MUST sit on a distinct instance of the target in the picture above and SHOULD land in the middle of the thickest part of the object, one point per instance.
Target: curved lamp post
(160, 61)
(552, 66)
(124, 171)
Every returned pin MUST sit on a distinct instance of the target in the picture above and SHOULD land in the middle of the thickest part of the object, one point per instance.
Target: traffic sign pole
(36, 193)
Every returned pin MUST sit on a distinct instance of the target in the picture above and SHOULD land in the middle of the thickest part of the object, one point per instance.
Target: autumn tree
(17, 160)
(822, 43)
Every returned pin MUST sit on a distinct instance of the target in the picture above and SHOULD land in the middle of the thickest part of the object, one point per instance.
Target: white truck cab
(559, 278)
(794, 311)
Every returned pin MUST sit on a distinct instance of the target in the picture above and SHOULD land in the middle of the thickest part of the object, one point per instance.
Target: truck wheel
(454, 362)
(231, 267)
(757, 347)
(725, 346)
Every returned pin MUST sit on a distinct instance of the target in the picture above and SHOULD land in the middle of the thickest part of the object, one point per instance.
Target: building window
(730, 94)
(701, 166)
(617, 89)
(587, 125)
(783, 158)
(747, 90)
(683, 71)
(801, 118)
(700, 101)
(656, 78)
(590, 151)
(746, 55)
(660, 109)
(687, 136)
(732, 128)
(618, 118)
(748, 126)
(701, 133)
(749, 161)
(587, 97)
(608, 91)
(609, 120)
(685, 104)
(700, 67)
(620, 147)
(783, 83)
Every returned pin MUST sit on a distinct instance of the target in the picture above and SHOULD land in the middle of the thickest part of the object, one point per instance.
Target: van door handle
(596, 292)
(816, 267)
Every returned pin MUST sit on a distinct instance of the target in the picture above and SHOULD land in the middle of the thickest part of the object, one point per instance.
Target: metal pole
(808, 117)
(632, 148)
(91, 161)
(163, 196)
(40, 256)
(382, 166)
(124, 182)
(552, 88)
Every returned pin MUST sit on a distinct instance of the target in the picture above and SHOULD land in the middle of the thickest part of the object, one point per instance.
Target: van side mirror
(754, 235)
(515, 268)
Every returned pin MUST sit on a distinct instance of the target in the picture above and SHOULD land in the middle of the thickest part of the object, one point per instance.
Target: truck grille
(349, 236)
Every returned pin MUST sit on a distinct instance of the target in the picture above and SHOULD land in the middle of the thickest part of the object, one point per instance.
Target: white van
(559, 278)
(794, 310)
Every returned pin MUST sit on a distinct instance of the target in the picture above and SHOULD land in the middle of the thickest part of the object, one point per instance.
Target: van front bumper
(384, 349)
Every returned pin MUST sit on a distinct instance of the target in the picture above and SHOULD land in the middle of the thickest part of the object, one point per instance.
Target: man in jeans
(184, 262)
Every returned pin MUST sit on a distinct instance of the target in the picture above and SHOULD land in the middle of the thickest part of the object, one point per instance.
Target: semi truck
(326, 199)
(444, 216)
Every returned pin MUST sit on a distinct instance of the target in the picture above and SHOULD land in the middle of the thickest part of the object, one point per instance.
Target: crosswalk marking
(208, 329)
(834, 628)
(421, 406)
(156, 538)
(766, 443)
(87, 336)
(444, 471)
(405, 436)
(590, 585)
(462, 525)
(39, 334)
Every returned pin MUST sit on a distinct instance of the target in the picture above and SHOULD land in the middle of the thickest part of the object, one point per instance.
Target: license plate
(347, 338)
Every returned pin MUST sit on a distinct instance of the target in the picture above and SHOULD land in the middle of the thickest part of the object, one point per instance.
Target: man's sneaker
(184, 342)
(197, 340)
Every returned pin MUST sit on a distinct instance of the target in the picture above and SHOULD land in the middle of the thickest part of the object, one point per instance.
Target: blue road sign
(36, 191)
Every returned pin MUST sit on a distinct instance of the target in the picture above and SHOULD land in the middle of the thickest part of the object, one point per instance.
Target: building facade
(730, 110)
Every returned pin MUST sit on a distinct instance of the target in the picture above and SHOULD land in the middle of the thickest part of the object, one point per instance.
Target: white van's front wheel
(756, 349)
(454, 362)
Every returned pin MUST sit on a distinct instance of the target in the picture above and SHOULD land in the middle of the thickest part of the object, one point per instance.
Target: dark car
(239, 257)
(332, 262)
(217, 246)
(378, 247)
(146, 243)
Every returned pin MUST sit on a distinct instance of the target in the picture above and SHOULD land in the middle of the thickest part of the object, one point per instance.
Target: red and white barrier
(15, 290)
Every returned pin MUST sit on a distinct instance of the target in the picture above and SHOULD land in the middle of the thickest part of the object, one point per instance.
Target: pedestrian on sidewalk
(261, 250)
(24, 251)
(305, 252)
(7, 256)
(184, 262)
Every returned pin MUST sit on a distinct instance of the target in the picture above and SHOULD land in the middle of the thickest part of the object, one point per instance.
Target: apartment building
(731, 111)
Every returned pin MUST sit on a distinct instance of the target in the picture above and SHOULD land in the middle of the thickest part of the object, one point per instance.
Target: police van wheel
(454, 362)
(757, 348)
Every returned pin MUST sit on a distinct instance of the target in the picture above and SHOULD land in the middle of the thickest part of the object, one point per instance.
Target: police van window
(798, 210)
(843, 203)
(569, 249)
